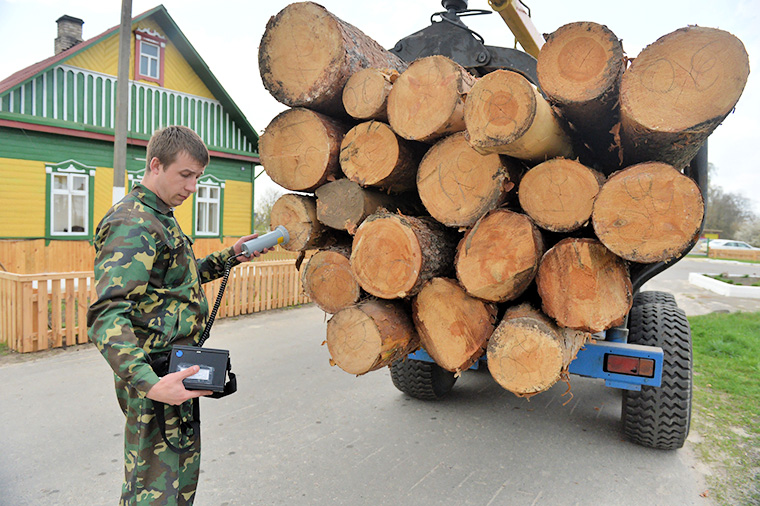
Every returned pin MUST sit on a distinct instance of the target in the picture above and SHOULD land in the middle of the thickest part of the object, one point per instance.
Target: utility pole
(122, 102)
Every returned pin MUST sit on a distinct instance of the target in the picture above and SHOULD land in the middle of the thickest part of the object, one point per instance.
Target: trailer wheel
(654, 297)
(660, 417)
(422, 380)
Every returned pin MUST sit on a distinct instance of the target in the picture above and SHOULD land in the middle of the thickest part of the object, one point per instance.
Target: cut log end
(372, 155)
(499, 256)
(365, 95)
(584, 286)
(426, 100)
(580, 62)
(458, 185)
(506, 114)
(328, 281)
(559, 194)
(300, 45)
(647, 213)
(386, 257)
(453, 326)
(686, 78)
(528, 353)
(299, 149)
(369, 336)
(298, 214)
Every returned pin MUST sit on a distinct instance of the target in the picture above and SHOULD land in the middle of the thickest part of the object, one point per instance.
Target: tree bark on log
(300, 149)
(328, 281)
(584, 286)
(677, 91)
(458, 185)
(579, 69)
(373, 155)
(307, 54)
(499, 256)
(528, 352)
(649, 212)
(344, 205)
(371, 335)
(365, 95)
(453, 327)
(506, 114)
(393, 255)
(298, 214)
(559, 194)
(427, 100)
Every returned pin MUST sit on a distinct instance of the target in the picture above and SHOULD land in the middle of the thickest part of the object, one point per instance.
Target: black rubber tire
(422, 380)
(654, 297)
(660, 417)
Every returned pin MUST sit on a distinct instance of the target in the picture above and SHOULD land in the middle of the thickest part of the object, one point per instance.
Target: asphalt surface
(301, 432)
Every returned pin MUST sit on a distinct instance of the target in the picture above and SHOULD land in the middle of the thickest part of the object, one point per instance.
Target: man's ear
(155, 165)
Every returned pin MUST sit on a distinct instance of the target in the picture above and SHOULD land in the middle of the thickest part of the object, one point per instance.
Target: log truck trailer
(649, 356)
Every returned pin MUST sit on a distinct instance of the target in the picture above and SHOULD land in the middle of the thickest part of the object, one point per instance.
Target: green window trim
(70, 169)
(209, 181)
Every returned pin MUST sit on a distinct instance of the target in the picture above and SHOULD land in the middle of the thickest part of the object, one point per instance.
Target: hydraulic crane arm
(517, 17)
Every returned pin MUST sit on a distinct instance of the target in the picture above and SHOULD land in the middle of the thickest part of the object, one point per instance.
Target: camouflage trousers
(153, 474)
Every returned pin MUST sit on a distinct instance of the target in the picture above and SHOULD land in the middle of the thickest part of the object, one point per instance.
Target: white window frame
(205, 224)
(70, 173)
(150, 58)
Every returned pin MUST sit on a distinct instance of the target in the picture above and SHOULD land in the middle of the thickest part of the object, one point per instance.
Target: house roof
(162, 17)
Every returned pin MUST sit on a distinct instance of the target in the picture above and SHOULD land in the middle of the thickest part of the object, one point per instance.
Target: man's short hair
(166, 143)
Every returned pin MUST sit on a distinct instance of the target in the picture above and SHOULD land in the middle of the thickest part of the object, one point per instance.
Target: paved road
(300, 432)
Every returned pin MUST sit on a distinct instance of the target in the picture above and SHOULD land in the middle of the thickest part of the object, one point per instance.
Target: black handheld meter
(213, 364)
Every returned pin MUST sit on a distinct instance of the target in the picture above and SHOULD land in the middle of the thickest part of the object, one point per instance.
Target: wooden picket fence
(43, 311)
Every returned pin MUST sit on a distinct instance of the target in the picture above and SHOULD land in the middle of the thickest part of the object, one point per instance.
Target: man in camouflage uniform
(150, 298)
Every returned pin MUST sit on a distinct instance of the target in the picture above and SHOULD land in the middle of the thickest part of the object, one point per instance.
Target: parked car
(725, 244)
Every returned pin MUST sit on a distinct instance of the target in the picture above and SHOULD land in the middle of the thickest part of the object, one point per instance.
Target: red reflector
(623, 365)
(646, 367)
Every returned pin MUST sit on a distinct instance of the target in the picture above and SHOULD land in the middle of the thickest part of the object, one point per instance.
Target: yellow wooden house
(56, 143)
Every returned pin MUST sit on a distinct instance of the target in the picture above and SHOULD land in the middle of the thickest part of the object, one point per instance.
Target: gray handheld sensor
(277, 236)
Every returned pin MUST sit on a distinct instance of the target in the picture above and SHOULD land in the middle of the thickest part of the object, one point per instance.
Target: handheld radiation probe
(215, 364)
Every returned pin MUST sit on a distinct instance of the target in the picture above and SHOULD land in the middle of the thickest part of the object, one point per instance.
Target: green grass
(727, 403)
(4, 350)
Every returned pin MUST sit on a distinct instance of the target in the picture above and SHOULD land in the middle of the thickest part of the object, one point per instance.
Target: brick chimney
(69, 33)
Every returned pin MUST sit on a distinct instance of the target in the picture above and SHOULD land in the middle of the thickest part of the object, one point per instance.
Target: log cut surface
(453, 326)
(505, 113)
(373, 155)
(677, 91)
(307, 54)
(649, 212)
(344, 205)
(528, 353)
(458, 185)
(298, 214)
(299, 149)
(393, 255)
(559, 194)
(426, 101)
(328, 281)
(584, 286)
(365, 95)
(499, 256)
(370, 335)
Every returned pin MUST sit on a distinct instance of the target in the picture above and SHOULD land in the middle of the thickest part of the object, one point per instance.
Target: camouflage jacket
(148, 285)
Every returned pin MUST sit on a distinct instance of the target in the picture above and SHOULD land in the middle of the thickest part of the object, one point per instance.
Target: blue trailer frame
(592, 361)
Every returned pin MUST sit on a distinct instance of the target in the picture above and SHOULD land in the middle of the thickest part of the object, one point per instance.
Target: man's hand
(238, 247)
(170, 389)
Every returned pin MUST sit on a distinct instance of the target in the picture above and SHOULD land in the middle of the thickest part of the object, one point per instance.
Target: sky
(226, 34)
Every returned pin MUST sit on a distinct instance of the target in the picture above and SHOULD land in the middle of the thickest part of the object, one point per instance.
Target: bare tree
(264, 208)
(726, 212)
(750, 232)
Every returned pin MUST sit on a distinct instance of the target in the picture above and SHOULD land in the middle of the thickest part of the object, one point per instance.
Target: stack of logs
(462, 214)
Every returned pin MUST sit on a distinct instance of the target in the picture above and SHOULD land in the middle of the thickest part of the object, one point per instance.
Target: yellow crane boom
(516, 15)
